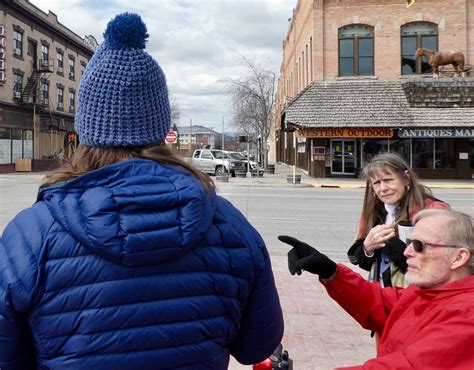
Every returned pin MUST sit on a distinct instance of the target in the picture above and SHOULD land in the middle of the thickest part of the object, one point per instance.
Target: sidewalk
(279, 179)
(319, 335)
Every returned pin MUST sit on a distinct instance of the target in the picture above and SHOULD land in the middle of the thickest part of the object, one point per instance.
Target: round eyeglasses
(419, 246)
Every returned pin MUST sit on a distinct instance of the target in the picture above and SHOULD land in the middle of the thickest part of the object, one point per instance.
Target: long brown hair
(373, 210)
(87, 158)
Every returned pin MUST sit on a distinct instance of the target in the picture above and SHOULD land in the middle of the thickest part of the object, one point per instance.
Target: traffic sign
(172, 137)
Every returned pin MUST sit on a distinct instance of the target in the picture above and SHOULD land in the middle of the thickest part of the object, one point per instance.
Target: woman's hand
(377, 237)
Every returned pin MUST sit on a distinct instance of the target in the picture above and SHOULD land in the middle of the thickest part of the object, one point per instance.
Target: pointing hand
(304, 257)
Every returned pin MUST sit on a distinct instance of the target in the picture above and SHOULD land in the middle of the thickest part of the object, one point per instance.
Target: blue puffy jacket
(134, 266)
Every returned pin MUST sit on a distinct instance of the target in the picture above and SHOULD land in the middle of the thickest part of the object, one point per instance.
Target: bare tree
(252, 101)
(175, 112)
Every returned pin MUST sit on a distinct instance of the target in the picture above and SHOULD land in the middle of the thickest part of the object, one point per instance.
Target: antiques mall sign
(436, 132)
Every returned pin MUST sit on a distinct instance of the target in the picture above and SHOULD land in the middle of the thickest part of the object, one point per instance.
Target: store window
(401, 147)
(417, 35)
(5, 145)
(472, 153)
(17, 145)
(372, 147)
(356, 50)
(444, 153)
(27, 144)
(423, 153)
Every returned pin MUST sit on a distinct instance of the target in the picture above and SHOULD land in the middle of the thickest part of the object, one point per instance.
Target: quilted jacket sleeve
(366, 302)
(444, 344)
(261, 327)
(18, 276)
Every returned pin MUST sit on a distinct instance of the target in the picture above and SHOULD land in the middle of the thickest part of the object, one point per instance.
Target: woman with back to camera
(129, 259)
(393, 193)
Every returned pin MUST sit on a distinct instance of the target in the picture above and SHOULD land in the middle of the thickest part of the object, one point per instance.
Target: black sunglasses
(419, 246)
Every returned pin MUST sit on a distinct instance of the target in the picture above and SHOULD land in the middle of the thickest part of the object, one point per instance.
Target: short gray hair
(459, 229)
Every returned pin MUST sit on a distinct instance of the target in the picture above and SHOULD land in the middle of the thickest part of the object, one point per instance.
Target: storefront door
(343, 157)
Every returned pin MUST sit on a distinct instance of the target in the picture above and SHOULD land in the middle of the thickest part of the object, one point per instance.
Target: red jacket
(421, 328)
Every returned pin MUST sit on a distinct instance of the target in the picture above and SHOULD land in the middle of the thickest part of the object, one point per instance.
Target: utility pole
(222, 132)
(190, 137)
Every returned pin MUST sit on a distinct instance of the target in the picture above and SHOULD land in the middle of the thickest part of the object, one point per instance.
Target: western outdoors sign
(172, 137)
(355, 132)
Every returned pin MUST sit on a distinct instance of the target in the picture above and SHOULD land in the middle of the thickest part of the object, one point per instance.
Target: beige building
(350, 64)
(41, 63)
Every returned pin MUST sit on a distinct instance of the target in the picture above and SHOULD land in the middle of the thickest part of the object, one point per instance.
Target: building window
(60, 62)
(17, 43)
(17, 144)
(72, 72)
(17, 85)
(444, 153)
(423, 153)
(356, 50)
(44, 56)
(72, 101)
(83, 68)
(44, 93)
(27, 144)
(60, 96)
(5, 145)
(417, 35)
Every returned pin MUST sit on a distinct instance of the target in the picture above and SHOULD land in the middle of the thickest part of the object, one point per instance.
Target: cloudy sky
(196, 42)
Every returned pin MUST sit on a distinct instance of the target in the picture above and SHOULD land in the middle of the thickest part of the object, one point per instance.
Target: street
(325, 218)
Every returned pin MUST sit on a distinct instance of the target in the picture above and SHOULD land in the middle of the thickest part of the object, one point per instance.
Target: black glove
(304, 257)
(394, 248)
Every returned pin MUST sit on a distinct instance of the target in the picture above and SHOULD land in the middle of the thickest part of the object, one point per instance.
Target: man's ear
(461, 258)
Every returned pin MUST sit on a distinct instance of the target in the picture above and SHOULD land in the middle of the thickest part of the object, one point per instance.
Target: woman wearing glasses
(393, 193)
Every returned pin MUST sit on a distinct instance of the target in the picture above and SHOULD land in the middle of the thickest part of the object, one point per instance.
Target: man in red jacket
(429, 324)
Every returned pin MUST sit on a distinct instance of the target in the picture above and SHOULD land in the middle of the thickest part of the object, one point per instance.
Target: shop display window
(5, 145)
(423, 153)
(444, 152)
(401, 147)
(17, 147)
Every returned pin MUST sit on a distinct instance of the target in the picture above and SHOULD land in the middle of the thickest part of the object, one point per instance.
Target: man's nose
(409, 251)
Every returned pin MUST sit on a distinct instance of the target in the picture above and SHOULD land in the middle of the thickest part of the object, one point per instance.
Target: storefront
(335, 128)
(446, 152)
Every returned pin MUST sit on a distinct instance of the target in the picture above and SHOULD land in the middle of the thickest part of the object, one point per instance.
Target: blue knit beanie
(123, 98)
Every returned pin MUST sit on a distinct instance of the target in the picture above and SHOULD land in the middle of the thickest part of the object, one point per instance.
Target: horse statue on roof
(437, 58)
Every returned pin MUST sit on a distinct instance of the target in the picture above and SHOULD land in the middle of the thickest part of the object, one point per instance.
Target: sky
(198, 43)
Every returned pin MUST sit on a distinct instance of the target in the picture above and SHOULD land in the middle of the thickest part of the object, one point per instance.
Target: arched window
(417, 35)
(356, 50)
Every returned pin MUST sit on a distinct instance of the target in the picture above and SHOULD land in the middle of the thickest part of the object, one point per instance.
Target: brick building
(351, 87)
(41, 63)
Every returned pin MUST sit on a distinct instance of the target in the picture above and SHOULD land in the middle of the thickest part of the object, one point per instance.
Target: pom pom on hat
(123, 97)
(126, 30)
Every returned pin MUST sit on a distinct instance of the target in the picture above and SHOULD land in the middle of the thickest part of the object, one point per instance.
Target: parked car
(216, 162)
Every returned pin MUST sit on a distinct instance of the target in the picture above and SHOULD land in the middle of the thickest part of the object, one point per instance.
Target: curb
(360, 186)
(341, 186)
(266, 185)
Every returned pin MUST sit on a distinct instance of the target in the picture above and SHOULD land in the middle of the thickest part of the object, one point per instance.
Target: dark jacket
(134, 266)
(393, 250)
